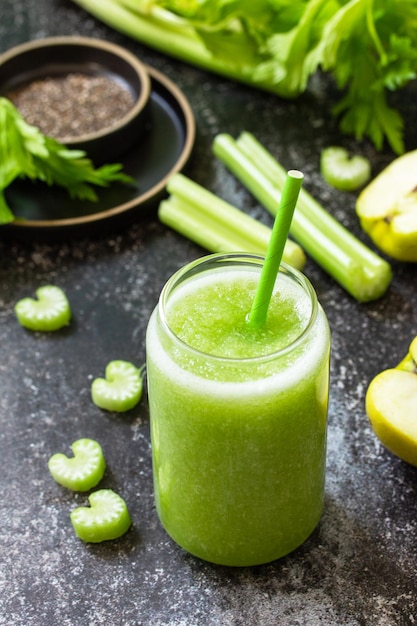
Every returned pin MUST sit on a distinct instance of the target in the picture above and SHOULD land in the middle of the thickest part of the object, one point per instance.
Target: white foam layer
(284, 284)
(314, 348)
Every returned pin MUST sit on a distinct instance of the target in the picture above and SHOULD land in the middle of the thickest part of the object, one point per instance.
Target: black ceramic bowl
(58, 57)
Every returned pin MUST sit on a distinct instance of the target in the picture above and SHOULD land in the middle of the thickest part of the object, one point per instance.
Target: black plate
(48, 213)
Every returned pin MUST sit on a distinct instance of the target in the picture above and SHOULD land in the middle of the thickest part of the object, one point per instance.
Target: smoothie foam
(181, 369)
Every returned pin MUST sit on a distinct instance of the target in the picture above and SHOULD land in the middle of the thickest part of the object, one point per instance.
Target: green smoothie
(238, 415)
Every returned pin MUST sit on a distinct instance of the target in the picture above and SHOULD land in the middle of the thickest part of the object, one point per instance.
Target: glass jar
(238, 416)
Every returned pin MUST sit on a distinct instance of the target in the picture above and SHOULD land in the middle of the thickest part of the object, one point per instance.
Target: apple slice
(391, 406)
(409, 362)
(387, 208)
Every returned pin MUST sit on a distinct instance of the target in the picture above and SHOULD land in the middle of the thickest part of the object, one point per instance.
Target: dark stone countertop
(359, 566)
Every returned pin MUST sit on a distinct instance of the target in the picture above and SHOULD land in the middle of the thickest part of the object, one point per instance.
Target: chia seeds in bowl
(86, 93)
(74, 105)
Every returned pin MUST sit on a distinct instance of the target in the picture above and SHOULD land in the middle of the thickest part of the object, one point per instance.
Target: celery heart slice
(81, 472)
(122, 388)
(51, 311)
(106, 518)
(344, 172)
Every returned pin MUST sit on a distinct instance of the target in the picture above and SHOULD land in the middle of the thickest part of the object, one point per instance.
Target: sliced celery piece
(106, 518)
(344, 172)
(51, 311)
(81, 472)
(120, 390)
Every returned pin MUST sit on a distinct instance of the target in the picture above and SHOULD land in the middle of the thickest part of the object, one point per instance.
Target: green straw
(280, 230)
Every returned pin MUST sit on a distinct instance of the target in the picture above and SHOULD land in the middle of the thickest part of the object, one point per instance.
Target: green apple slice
(106, 518)
(51, 311)
(387, 208)
(81, 472)
(409, 363)
(391, 406)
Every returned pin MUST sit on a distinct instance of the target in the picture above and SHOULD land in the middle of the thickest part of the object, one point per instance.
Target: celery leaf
(27, 153)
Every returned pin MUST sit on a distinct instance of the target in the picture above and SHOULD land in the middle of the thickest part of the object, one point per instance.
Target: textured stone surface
(359, 566)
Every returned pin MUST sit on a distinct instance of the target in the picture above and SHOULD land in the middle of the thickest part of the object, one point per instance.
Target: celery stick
(172, 35)
(307, 204)
(219, 210)
(254, 235)
(266, 162)
(215, 224)
(156, 28)
(182, 217)
(335, 232)
(352, 264)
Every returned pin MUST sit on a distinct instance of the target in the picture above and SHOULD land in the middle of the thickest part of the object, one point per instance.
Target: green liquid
(238, 445)
(213, 319)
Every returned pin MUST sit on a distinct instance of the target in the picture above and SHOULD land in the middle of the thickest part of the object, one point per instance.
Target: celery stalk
(239, 225)
(361, 272)
(307, 204)
(156, 28)
(179, 216)
(367, 48)
(164, 31)
(217, 225)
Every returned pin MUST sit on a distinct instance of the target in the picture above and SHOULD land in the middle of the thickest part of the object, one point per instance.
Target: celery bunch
(369, 47)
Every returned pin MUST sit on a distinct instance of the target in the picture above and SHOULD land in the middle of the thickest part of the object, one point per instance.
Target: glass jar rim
(193, 268)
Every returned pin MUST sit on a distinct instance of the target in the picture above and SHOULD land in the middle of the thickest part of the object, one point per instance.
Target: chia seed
(66, 107)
